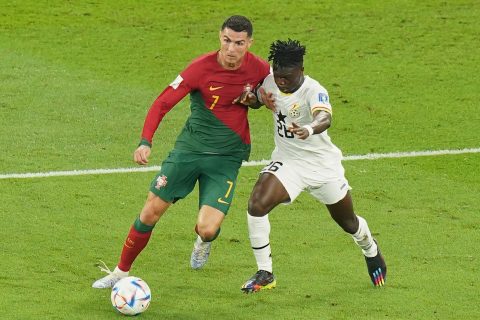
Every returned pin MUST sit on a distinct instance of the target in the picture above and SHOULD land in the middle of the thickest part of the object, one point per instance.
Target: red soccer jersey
(215, 125)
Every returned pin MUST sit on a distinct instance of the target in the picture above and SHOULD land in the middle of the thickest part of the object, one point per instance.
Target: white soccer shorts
(327, 185)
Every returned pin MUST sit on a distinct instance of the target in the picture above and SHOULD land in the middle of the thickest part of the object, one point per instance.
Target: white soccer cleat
(200, 254)
(110, 279)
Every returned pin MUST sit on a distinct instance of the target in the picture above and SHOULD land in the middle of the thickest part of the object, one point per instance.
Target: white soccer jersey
(317, 151)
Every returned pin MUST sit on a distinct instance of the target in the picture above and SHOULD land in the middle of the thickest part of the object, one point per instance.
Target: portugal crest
(161, 182)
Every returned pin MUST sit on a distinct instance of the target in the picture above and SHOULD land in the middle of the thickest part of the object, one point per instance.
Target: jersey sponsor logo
(176, 82)
(212, 88)
(294, 112)
(220, 200)
(323, 98)
(161, 182)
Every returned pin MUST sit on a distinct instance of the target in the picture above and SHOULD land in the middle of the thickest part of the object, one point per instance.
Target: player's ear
(249, 42)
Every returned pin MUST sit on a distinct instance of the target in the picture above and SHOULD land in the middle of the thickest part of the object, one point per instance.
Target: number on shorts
(273, 166)
(230, 185)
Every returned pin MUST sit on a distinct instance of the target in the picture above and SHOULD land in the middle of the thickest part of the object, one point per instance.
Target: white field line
(369, 156)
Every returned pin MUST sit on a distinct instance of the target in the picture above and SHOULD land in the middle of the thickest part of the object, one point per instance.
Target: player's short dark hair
(238, 24)
(286, 54)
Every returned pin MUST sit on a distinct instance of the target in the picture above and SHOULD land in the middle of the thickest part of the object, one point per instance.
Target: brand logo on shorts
(161, 182)
(294, 112)
(220, 200)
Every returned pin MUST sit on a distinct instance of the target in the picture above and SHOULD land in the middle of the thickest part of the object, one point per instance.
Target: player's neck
(299, 84)
(228, 65)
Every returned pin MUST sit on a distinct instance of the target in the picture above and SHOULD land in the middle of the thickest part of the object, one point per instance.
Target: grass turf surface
(78, 78)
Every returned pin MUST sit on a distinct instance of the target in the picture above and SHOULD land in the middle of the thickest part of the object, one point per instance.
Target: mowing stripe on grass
(369, 156)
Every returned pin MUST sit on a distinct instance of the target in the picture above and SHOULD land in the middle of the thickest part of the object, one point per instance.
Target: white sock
(364, 239)
(259, 233)
(120, 272)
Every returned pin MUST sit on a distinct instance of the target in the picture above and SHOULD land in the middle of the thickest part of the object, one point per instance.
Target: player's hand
(301, 132)
(141, 155)
(267, 99)
(247, 98)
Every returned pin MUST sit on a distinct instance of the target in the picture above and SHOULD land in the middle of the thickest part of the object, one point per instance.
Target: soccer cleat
(200, 254)
(377, 269)
(260, 281)
(110, 279)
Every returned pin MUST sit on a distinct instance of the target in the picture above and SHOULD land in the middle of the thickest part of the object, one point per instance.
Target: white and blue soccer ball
(131, 296)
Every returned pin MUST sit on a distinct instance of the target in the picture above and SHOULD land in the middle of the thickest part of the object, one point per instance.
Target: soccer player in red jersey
(210, 149)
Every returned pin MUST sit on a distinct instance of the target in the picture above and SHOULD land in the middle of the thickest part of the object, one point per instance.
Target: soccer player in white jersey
(304, 159)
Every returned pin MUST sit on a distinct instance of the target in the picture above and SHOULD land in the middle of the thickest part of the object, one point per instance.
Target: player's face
(233, 46)
(289, 79)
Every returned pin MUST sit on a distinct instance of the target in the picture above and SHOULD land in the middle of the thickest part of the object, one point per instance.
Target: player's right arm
(321, 122)
(175, 92)
(267, 99)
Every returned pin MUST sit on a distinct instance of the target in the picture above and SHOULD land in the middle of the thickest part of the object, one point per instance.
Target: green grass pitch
(76, 80)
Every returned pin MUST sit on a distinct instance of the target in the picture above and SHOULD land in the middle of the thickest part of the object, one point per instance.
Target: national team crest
(294, 112)
(161, 182)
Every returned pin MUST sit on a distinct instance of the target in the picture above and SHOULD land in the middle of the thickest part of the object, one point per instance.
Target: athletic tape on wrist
(309, 128)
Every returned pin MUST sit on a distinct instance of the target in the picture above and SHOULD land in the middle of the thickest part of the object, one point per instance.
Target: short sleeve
(319, 100)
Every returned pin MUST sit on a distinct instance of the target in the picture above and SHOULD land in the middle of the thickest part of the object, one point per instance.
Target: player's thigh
(217, 182)
(176, 178)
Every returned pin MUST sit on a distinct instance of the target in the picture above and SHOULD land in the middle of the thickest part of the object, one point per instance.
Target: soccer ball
(131, 296)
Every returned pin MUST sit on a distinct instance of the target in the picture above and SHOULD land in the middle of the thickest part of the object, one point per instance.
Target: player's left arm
(248, 98)
(251, 97)
(257, 98)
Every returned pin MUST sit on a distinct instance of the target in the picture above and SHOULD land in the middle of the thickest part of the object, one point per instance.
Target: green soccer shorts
(216, 175)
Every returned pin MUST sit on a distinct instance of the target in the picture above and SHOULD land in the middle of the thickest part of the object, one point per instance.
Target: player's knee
(350, 225)
(150, 213)
(153, 209)
(257, 207)
(207, 233)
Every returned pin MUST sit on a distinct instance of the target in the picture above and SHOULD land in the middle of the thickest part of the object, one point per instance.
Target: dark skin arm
(321, 119)
(249, 98)
(321, 122)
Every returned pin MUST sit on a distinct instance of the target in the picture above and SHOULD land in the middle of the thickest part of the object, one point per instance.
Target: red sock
(132, 247)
